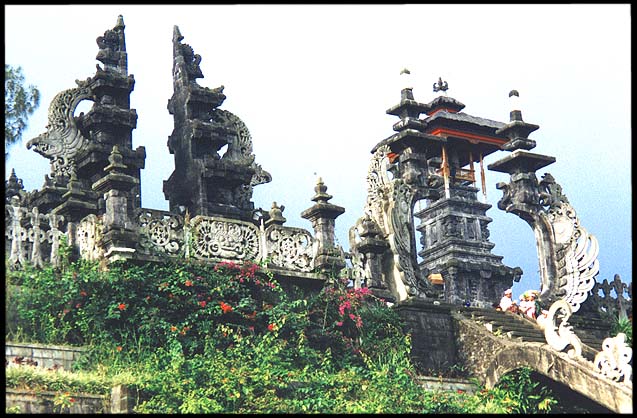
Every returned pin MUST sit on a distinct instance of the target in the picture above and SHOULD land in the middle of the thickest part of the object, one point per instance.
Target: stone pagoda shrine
(432, 160)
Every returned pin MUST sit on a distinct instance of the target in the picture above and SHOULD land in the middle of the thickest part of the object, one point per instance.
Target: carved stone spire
(186, 67)
(112, 51)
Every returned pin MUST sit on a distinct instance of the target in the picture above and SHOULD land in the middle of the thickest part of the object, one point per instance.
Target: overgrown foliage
(624, 326)
(226, 338)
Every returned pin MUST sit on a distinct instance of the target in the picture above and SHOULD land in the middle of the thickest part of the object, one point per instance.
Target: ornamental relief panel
(216, 238)
(88, 234)
(160, 231)
(290, 248)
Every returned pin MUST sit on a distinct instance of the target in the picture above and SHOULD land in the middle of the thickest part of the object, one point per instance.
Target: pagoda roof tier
(407, 107)
(520, 160)
(473, 129)
(468, 151)
(443, 103)
(411, 138)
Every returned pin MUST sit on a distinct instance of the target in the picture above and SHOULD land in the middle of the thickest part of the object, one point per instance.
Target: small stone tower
(205, 182)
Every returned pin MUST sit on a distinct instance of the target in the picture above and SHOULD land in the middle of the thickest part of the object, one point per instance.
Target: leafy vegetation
(624, 326)
(226, 338)
(20, 102)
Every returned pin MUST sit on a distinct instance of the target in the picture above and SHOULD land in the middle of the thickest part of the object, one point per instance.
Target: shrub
(225, 338)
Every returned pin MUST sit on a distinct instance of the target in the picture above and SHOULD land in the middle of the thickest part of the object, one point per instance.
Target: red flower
(271, 327)
(339, 324)
(121, 306)
(83, 293)
(460, 391)
(118, 348)
(173, 328)
(203, 304)
(188, 283)
(71, 400)
(225, 307)
(78, 306)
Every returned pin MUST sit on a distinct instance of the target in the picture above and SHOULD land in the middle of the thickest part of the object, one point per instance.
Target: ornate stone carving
(567, 252)
(215, 238)
(617, 305)
(160, 231)
(558, 332)
(366, 253)
(390, 206)
(14, 214)
(290, 248)
(188, 70)
(53, 237)
(377, 182)
(240, 149)
(88, 235)
(36, 235)
(614, 359)
(62, 140)
(401, 235)
(112, 49)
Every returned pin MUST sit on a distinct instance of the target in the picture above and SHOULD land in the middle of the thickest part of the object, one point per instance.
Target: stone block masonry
(46, 356)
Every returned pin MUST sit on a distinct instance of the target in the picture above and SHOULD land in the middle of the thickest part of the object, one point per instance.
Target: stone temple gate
(429, 268)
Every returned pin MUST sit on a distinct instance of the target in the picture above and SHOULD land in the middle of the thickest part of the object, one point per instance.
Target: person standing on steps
(507, 303)
(527, 306)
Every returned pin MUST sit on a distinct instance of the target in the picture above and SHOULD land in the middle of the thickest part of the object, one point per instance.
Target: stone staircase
(520, 328)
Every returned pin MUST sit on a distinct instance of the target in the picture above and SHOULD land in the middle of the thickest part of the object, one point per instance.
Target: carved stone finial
(14, 182)
(13, 187)
(321, 196)
(276, 215)
(441, 86)
(115, 159)
(516, 112)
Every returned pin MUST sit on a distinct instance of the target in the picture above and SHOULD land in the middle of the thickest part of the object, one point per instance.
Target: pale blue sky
(312, 84)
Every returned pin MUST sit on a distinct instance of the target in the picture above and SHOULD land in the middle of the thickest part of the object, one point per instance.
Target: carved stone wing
(240, 149)
(62, 139)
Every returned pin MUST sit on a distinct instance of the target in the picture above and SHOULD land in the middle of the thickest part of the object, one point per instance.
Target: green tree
(20, 102)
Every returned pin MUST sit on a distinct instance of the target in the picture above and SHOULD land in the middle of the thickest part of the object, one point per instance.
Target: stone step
(523, 329)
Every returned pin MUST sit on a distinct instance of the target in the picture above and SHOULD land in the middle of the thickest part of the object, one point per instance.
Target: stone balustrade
(31, 236)
(211, 238)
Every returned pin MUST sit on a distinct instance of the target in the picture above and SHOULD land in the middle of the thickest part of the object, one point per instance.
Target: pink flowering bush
(350, 320)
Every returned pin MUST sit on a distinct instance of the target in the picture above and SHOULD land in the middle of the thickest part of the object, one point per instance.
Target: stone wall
(46, 356)
(431, 383)
(30, 402)
(122, 400)
(432, 334)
